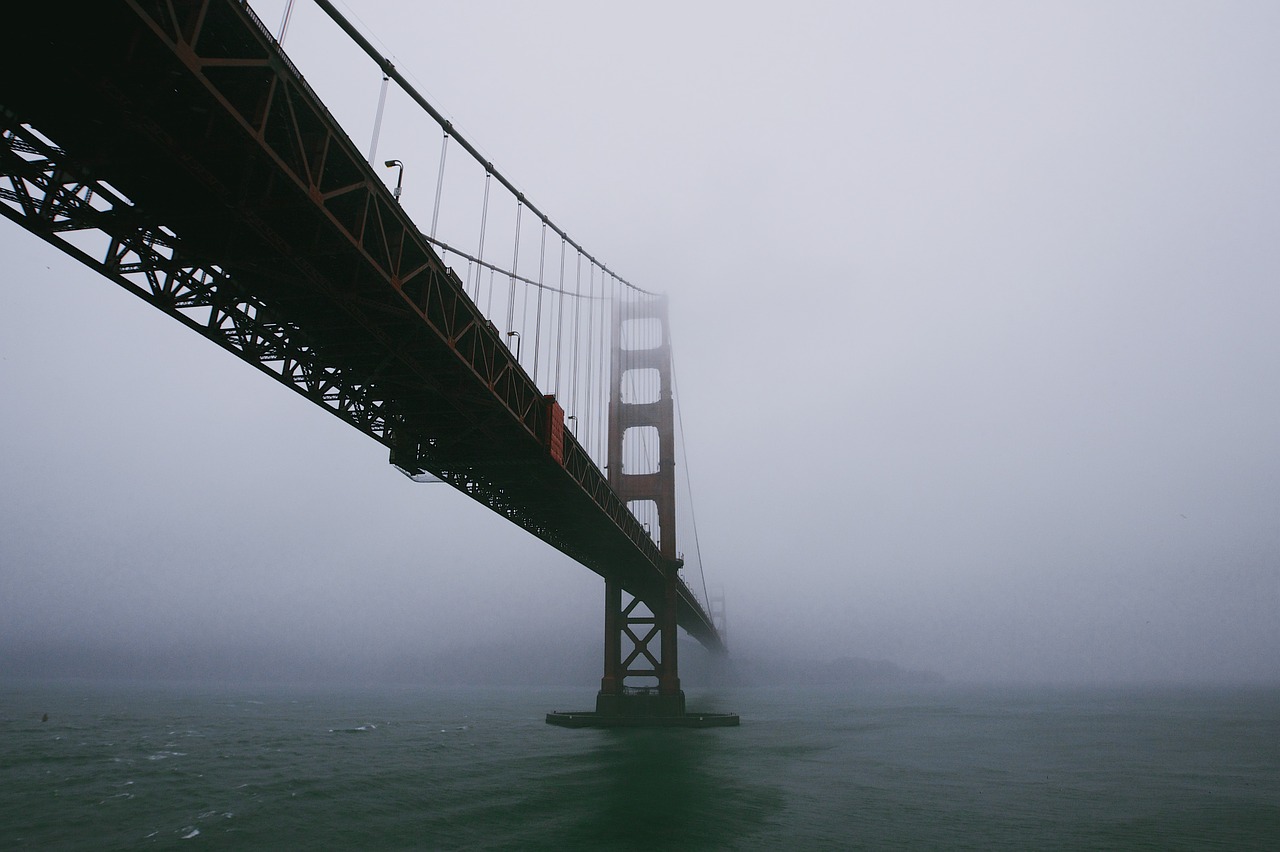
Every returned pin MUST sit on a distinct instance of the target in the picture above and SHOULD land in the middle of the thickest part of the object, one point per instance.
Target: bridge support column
(634, 629)
(669, 671)
(611, 683)
(641, 341)
(641, 681)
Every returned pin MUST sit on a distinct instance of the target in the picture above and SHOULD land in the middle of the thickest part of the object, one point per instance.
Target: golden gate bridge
(173, 147)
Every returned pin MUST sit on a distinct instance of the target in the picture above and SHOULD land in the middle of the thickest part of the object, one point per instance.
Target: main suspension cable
(389, 70)
(471, 258)
(688, 480)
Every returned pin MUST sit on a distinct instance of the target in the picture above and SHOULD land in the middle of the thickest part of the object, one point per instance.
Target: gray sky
(975, 316)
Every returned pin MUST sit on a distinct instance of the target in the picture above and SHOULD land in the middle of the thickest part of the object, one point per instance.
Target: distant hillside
(545, 659)
(845, 671)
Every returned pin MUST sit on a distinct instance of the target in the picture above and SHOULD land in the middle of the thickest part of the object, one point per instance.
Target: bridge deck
(242, 209)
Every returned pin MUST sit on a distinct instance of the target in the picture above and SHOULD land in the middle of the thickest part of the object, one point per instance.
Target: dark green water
(930, 768)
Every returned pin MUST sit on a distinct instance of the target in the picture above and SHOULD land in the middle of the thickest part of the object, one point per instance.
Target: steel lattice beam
(176, 138)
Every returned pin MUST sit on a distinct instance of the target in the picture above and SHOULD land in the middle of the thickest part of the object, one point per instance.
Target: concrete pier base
(641, 709)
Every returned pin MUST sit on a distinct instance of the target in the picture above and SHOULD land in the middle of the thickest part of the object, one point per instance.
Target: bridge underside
(176, 151)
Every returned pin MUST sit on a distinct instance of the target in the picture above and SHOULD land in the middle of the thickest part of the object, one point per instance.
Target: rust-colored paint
(555, 429)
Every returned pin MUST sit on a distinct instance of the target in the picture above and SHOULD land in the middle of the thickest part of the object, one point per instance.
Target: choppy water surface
(942, 767)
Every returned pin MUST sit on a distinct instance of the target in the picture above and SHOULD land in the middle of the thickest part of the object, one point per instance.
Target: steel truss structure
(171, 146)
(48, 195)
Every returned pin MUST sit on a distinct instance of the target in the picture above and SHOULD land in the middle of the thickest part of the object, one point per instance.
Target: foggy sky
(975, 317)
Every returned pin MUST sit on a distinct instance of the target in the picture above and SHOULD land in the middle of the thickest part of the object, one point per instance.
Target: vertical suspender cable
(488, 312)
(377, 119)
(606, 321)
(644, 334)
(560, 321)
(388, 68)
(537, 325)
(602, 389)
(625, 377)
(444, 149)
(577, 320)
(524, 309)
(628, 339)
(606, 355)
(652, 331)
(484, 218)
(515, 262)
(284, 21)
(602, 383)
(592, 357)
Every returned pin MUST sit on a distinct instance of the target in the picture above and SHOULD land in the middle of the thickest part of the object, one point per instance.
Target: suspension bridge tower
(641, 682)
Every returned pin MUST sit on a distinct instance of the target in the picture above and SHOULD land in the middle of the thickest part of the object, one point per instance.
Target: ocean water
(122, 766)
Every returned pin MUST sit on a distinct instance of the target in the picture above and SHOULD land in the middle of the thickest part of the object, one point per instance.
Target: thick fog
(975, 313)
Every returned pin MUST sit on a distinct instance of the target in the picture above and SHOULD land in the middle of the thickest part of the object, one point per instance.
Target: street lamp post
(391, 164)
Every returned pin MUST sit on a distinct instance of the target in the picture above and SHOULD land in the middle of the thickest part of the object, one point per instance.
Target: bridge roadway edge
(83, 85)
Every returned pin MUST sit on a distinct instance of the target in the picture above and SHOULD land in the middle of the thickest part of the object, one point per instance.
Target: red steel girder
(240, 207)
